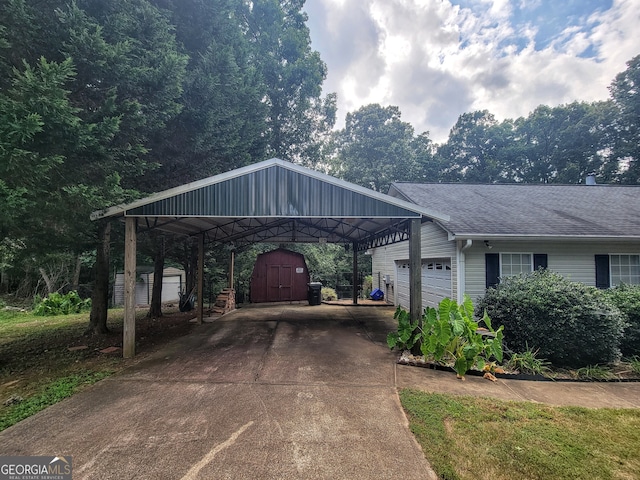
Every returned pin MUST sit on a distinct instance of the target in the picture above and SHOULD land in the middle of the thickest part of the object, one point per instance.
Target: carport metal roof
(273, 201)
(279, 202)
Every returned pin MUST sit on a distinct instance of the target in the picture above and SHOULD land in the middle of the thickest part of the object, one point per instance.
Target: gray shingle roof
(530, 210)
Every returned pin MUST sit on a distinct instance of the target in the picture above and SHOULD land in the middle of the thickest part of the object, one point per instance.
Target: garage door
(436, 281)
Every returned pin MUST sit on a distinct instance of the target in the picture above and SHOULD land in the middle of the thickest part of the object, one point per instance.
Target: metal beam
(355, 273)
(200, 278)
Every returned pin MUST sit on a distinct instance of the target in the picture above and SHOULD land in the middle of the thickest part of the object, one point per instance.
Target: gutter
(462, 267)
(545, 238)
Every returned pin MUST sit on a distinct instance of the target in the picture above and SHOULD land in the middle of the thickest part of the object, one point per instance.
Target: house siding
(435, 245)
(573, 260)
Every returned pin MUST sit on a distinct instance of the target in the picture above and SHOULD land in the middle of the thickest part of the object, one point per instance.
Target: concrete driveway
(275, 392)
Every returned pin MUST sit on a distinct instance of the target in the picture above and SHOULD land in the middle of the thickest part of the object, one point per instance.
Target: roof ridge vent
(591, 179)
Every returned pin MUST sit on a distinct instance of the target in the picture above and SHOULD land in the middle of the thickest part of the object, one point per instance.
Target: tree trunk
(155, 309)
(100, 294)
(48, 282)
(76, 274)
(190, 265)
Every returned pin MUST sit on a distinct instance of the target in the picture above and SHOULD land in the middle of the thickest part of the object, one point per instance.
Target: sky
(438, 59)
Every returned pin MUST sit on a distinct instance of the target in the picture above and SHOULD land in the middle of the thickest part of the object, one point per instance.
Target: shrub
(58, 304)
(627, 299)
(570, 324)
(328, 294)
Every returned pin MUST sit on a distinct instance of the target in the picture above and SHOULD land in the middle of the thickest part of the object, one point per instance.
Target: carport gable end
(273, 201)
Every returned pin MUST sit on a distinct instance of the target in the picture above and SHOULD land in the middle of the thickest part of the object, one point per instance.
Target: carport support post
(129, 329)
(200, 278)
(415, 270)
(355, 273)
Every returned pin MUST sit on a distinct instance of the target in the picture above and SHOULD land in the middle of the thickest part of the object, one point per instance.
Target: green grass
(467, 438)
(38, 368)
(52, 393)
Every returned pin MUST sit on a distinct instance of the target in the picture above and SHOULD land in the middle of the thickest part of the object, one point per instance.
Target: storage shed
(173, 282)
(279, 276)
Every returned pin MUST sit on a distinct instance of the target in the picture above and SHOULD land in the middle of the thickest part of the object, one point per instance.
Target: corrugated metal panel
(272, 192)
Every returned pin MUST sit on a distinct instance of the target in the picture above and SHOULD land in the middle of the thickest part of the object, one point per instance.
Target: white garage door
(436, 281)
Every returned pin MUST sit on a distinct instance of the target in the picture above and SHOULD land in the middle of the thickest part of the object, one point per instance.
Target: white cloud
(436, 60)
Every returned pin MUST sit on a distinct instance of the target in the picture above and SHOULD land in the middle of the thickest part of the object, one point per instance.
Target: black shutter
(492, 268)
(602, 271)
(539, 261)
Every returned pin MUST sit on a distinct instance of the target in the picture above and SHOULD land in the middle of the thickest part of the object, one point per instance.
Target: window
(499, 265)
(515, 263)
(625, 269)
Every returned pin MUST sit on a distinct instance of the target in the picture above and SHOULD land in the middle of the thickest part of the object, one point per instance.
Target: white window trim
(502, 275)
(611, 282)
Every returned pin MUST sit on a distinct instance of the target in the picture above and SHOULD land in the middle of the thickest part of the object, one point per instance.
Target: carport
(271, 201)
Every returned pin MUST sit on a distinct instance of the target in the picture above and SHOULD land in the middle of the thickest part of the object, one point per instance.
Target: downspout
(462, 267)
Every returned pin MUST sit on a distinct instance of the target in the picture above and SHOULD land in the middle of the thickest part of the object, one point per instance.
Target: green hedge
(572, 324)
(627, 299)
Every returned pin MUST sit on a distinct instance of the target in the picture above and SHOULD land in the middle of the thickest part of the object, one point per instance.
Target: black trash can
(314, 293)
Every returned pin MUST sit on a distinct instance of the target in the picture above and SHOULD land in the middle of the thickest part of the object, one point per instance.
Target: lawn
(469, 438)
(46, 359)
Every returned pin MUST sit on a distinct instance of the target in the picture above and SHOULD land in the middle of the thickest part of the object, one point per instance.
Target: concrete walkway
(276, 392)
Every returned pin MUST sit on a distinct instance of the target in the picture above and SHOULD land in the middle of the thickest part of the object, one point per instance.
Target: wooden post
(415, 269)
(200, 278)
(355, 273)
(231, 264)
(129, 330)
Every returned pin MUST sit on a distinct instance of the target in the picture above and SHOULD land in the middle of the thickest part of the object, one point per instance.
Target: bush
(627, 299)
(58, 304)
(568, 323)
(328, 294)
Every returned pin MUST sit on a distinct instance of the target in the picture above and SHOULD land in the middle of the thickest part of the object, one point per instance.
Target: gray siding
(435, 244)
(573, 260)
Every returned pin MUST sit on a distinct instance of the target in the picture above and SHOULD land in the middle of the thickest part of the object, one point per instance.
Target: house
(173, 282)
(279, 275)
(587, 233)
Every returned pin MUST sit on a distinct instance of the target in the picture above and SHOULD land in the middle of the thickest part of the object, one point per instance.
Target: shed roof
(525, 210)
(274, 201)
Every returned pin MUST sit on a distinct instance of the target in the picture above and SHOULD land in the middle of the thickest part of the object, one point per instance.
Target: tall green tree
(375, 148)
(222, 124)
(128, 75)
(562, 144)
(293, 74)
(625, 94)
(474, 149)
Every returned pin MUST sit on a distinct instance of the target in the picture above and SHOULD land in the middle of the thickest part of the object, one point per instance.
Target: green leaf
(461, 366)
(457, 324)
(392, 340)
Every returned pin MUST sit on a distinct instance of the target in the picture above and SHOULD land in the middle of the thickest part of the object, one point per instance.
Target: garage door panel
(436, 282)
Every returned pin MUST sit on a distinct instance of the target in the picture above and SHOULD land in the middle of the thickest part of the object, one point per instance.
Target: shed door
(436, 281)
(279, 283)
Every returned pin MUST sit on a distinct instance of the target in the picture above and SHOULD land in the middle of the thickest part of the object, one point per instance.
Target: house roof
(525, 210)
(274, 201)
